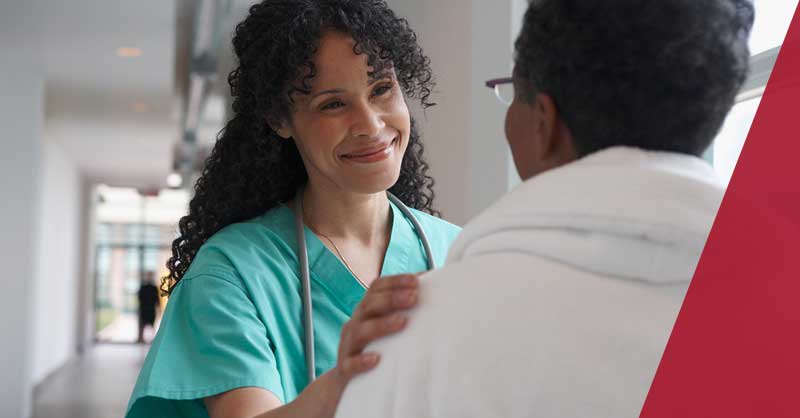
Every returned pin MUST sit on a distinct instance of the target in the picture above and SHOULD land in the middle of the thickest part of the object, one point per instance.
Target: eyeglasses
(503, 89)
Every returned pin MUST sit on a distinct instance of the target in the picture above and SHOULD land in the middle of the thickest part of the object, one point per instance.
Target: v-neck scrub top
(235, 318)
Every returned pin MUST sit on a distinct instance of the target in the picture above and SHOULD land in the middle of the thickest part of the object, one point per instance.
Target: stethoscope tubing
(305, 274)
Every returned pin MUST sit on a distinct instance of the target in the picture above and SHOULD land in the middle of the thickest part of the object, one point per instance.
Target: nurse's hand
(379, 314)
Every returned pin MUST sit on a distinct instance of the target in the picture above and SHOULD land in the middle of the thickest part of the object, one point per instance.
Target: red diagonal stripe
(735, 348)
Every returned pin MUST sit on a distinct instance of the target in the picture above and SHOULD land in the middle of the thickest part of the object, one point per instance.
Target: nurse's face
(351, 130)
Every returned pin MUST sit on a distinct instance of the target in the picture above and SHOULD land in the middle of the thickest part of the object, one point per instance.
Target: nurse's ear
(281, 128)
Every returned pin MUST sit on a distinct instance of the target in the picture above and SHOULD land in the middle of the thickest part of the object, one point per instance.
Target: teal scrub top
(235, 318)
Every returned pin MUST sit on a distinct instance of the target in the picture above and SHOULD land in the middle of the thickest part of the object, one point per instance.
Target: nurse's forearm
(318, 400)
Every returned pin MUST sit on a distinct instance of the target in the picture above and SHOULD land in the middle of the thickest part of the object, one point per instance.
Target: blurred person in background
(558, 300)
(148, 303)
(320, 131)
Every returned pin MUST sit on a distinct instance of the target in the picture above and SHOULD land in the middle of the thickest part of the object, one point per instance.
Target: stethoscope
(305, 275)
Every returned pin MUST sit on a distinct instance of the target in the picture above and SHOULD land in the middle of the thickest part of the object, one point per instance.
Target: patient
(558, 300)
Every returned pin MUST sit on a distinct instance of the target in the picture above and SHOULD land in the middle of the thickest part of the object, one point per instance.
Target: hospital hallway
(94, 385)
(111, 109)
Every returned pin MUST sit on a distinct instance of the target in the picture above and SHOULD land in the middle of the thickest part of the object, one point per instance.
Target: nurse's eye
(382, 89)
(332, 105)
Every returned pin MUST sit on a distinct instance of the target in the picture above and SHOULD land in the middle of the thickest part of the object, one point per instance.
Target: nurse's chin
(375, 182)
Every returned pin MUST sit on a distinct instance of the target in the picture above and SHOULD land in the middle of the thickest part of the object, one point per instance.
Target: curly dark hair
(653, 74)
(251, 169)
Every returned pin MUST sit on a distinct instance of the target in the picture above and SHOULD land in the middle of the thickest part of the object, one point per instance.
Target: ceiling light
(128, 52)
(174, 180)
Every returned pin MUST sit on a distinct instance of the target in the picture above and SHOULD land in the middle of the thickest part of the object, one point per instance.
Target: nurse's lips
(371, 154)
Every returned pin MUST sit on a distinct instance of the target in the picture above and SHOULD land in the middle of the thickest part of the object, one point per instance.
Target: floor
(95, 385)
(125, 329)
(122, 329)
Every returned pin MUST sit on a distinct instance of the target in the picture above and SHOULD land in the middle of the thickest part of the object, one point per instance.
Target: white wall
(489, 155)
(40, 221)
(21, 119)
(20, 151)
(469, 42)
(86, 272)
(56, 291)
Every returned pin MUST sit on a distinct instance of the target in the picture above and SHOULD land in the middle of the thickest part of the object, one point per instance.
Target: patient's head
(653, 74)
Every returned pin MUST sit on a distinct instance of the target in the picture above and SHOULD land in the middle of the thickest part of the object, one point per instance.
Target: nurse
(320, 128)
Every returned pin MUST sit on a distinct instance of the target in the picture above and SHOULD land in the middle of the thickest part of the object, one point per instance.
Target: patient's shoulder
(415, 362)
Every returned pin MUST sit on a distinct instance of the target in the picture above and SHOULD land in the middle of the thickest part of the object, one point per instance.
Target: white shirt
(555, 302)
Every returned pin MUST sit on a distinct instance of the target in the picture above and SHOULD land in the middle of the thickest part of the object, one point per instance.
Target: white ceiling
(91, 91)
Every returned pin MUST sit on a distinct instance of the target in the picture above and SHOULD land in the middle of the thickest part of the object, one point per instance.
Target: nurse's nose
(367, 121)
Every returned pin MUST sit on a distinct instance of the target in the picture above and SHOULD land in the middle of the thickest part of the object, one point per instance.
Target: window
(730, 140)
(771, 24)
(134, 236)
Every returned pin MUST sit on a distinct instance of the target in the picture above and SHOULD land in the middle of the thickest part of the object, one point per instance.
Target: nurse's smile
(371, 154)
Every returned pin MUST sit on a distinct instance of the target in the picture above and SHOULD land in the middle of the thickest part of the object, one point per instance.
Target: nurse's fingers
(378, 303)
(388, 294)
(395, 282)
(359, 364)
(356, 335)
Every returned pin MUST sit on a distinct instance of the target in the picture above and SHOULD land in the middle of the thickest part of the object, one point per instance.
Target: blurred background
(109, 109)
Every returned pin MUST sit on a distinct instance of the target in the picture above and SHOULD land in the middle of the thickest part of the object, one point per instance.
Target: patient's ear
(546, 124)
(556, 145)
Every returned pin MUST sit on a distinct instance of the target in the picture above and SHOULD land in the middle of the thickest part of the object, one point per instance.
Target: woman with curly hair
(320, 128)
